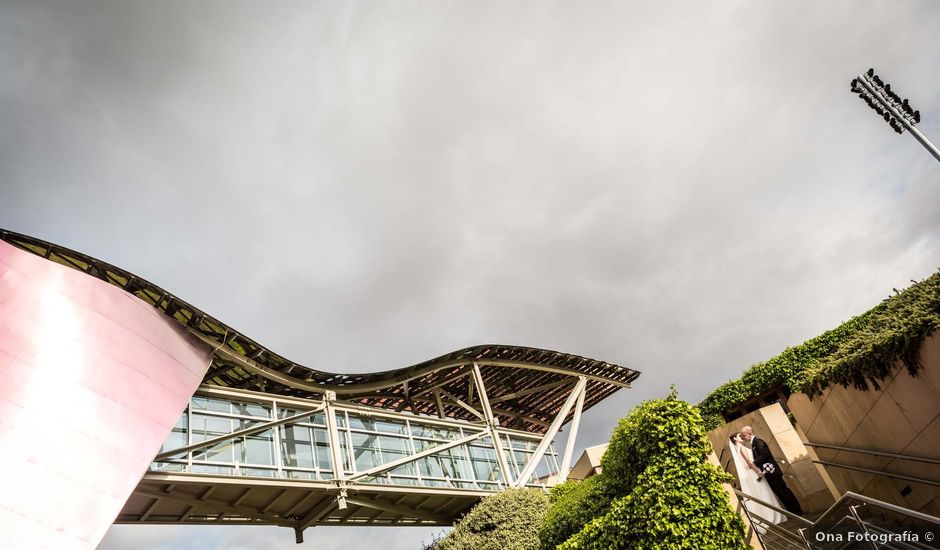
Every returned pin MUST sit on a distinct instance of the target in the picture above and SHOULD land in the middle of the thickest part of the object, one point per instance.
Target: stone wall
(808, 481)
(901, 417)
(750, 536)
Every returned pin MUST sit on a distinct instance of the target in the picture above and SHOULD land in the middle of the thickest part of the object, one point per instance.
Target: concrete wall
(901, 417)
(808, 481)
(750, 536)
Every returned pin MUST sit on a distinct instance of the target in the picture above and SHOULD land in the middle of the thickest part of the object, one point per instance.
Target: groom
(772, 472)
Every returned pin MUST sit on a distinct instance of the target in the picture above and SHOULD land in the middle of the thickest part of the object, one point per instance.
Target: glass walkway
(367, 440)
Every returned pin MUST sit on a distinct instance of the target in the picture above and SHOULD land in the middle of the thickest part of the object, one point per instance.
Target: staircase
(852, 522)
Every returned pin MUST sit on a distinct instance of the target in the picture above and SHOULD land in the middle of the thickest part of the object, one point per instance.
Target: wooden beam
(458, 401)
(530, 391)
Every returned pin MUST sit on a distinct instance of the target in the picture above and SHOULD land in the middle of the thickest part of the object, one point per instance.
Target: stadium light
(897, 112)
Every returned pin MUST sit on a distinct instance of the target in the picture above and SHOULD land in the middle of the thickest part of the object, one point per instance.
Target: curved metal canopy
(526, 386)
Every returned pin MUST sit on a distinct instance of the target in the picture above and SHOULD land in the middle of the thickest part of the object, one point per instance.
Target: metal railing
(870, 452)
(773, 536)
(853, 521)
(856, 450)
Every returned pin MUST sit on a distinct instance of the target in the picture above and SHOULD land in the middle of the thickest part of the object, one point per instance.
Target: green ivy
(860, 352)
(573, 505)
(508, 520)
(676, 504)
(656, 489)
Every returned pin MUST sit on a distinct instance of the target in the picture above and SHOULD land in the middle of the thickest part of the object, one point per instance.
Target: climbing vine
(861, 352)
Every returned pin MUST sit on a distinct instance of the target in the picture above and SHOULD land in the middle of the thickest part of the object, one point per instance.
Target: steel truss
(180, 488)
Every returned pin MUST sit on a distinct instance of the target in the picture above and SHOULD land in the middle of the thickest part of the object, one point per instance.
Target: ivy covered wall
(860, 352)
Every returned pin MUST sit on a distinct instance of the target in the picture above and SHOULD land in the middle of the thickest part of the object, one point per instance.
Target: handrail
(836, 509)
(849, 495)
(914, 479)
(897, 456)
(789, 515)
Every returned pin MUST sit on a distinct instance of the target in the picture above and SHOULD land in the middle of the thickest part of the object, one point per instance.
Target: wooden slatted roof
(526, 386)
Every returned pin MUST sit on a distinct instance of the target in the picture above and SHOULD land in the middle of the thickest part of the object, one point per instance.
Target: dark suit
(774, 475)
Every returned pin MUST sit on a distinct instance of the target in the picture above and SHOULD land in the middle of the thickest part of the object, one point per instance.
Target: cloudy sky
(685, 188)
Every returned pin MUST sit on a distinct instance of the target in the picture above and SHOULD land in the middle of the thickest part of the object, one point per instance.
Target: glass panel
(523, 444)
(393, 444)
(294, 474)
(210, 404)
(251, 409)
(521, 459)
(433, 432)
(258, 472)
(211, 426)
(258, 448)
(542, 471)
(210, 469)
(168, 466)
(484, 469)
(365, 452)
(322, 449)
(296, 447)
(222, 452)
(390, 426)
(404, 481)
(405, 469)
(359, 423)
(318, 418)
(486, 453)
(178, 436)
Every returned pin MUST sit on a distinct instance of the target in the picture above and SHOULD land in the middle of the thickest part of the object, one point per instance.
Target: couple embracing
(761, 476)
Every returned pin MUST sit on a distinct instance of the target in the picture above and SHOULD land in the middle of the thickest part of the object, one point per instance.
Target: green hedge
(573, 505)
(677, 505)
(508, 520)
(860, 352)
(673, 496)
(656, 489)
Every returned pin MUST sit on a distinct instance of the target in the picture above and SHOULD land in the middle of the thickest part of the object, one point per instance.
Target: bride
(752, 483)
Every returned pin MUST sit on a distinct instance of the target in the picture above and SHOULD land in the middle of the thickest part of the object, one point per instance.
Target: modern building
(120, 402)
(589, 463)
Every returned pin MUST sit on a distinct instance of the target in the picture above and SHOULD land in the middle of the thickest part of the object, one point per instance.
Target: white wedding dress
(755, 487)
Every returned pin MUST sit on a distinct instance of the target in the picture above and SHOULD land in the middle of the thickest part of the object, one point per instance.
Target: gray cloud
(684, 189)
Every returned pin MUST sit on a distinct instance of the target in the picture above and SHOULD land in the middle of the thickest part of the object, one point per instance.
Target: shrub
(508, 520)
(673, 497)
(573, 505)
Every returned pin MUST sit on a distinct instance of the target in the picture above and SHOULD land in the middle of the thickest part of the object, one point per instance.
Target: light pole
(897, 112)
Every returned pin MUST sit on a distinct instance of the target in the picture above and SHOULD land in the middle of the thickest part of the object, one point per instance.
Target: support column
(550, 434)
(572, 436)
(438, 402)
(492, 423)
(339, 475)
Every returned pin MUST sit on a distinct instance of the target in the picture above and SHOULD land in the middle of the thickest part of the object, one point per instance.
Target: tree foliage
(656, 489)
(861, 352)
(573, 505)
(508, 520)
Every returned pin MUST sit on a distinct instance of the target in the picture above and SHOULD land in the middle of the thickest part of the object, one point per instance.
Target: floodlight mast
(897, 113)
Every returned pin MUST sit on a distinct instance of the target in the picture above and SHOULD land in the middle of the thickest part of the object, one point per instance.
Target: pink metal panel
(92, 380)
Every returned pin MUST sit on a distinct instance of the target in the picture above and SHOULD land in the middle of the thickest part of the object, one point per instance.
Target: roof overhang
(526, 386)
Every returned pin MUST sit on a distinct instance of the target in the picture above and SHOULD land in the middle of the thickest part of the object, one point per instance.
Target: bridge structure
(199, 424)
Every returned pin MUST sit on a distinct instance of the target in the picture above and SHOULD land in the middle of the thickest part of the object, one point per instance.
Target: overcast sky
(684, 188)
